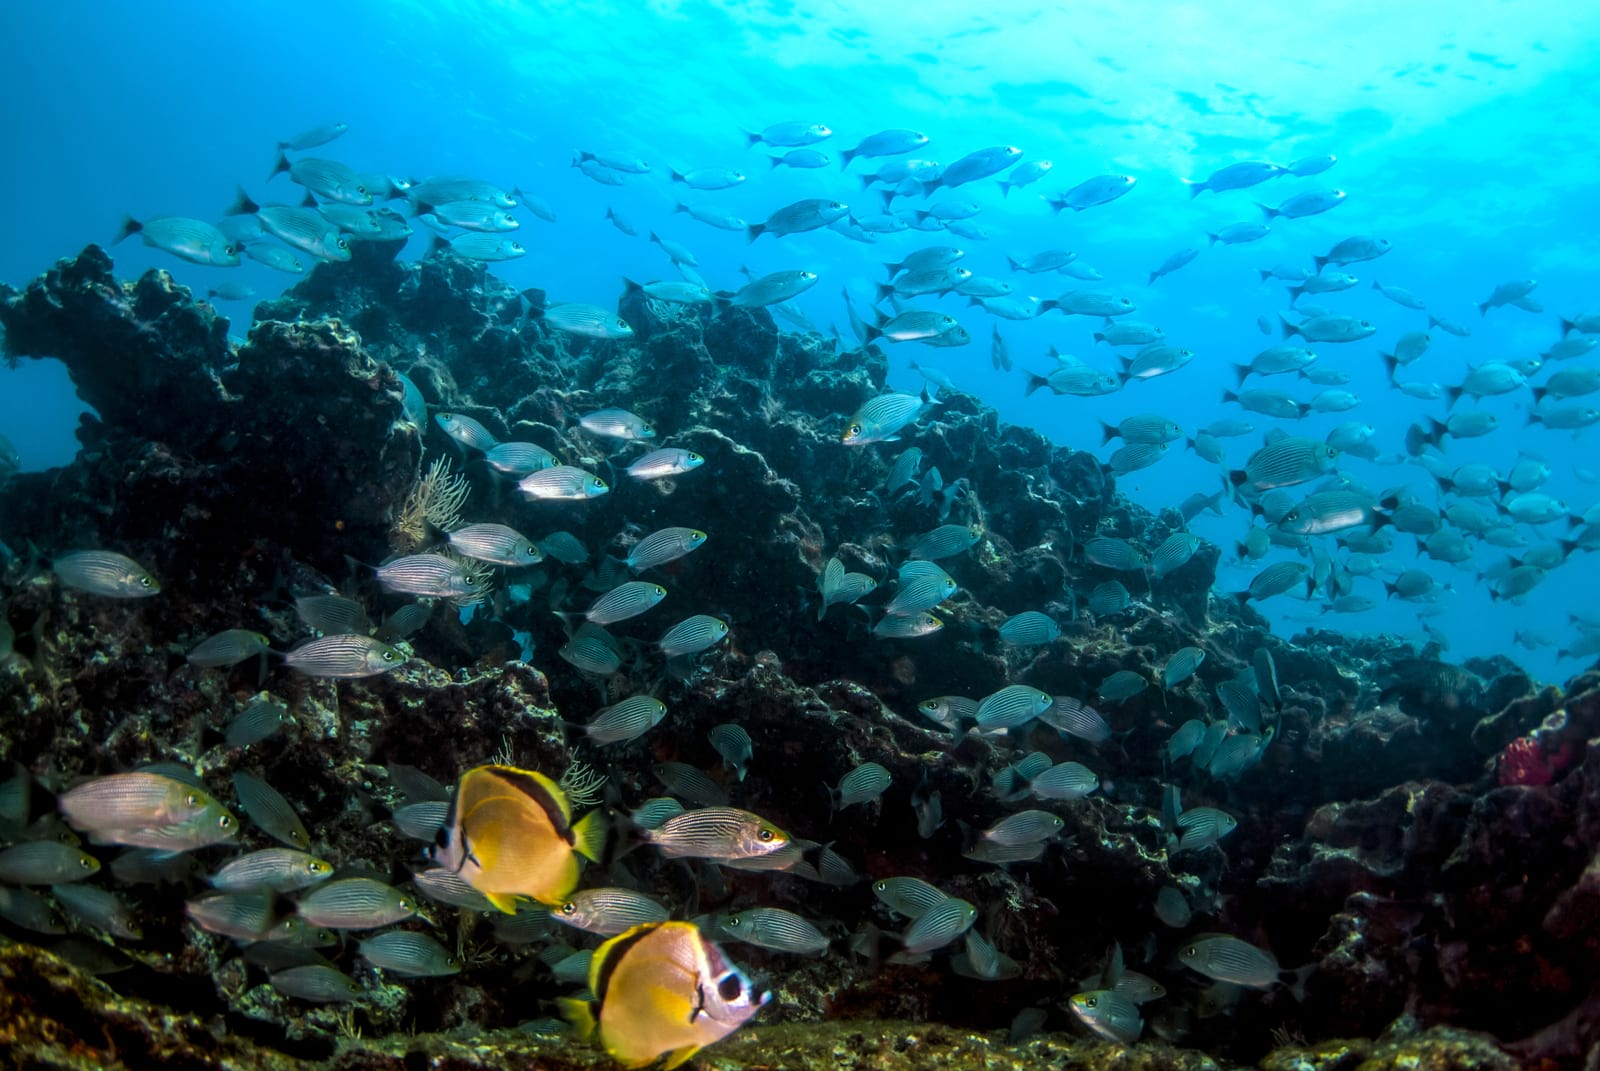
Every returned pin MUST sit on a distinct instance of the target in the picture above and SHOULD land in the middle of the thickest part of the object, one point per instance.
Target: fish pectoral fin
(589, 836)
(506, 902)
(678, 1056)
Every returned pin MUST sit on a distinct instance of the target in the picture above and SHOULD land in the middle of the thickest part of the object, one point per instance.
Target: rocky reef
(1427, 835)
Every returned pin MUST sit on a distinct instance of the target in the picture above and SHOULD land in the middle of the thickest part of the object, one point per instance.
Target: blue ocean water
(1464, 136)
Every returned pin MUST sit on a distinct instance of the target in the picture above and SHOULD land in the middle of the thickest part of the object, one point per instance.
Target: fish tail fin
(1483, 308)
(1005, 189)
(1265, 273)
(1320, 262)
(676, 177)
(1391, 363)
(1153, 277)
(439, 242)
(881, 291)
(1195, 188)
(1295, 292)
(1229, 396)
(1454, 394)
(279, 166)
(580, 1013)
(1108, 432)
(1241, 372)
(506, 903)
(845, 157)
(590, 834)
(1289, 329)
(775, 161)
(1539, 393)
(1034, 383)
(242, 205)
(754, 231)
(1271, 212)
(308, 201)
(1056, 204)
(629, 287)
(1215, 238)
(129, 226)
(1297, 987)
(867, 181)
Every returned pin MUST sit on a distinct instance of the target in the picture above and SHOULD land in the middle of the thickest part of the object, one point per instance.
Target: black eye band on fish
(699, 1002)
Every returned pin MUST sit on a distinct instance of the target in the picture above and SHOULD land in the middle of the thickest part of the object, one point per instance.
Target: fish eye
(1089, 1002)
(731, 987)
(855, 429)
(405, 904)
(317, 866)
(1191, 951)
(765, 834)
(569, 908)
(343, 244)
(226, 822)
(86, 862)
(660, 590)
(733, 920)
(388, 656)
(192, 799)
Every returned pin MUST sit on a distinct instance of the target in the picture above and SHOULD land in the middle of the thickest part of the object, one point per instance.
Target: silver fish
(272, 814)
(693, 635)
(105, 572)
(774, 288)
(495, 543)
(354, 904)
(939, 925)
(669, 461)
(734, 745)
(863, 784)
(409, 954)
(466, 431)
(592, 650)
(1111, 597)
(1076, 718)
(690, 783)
(1181, 666)
(316, 982)
(345, 656)
(516, 459)
(281, 870)
(1109, 1014)
(228, 648)
(1011, 707)
(944, 542)
(315, 136)
(609, 912)
(774, 928)
(625, 721)
(100, 909)
(189, 239)
(906, 626)
(433, 576)
(662, 546)
(721, 834)
(303, 228)
(617, 424)
(479, 216)
(1204, 826)
(243, 916)
(562, 483)
(588, 321)
(45, 862)
(807, 215)
(627, 600)
(1029, 629)
(1099, 190)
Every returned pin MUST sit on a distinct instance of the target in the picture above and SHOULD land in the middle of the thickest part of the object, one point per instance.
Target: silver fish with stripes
(409, 954)
(668, 461)
(1077, 718)
(1173, 554)
(497, 544)
(908, 896)
(945, 541)
(562, 483)
(1011, 707)
(281, 870)
(589, 321)
(662, 546)
(266, 807)
(355, 904)
(625, 721)
(345, 657)
(939, 925)
(863, 784)
(920, 593)
(592, 650)
(626, 600)
(105, 572)
(775, 929)
(1181, 666)
(227, 648)
(907, 626)
(617, 424)
(882, 418)
(717, 833)
(316, 982)
(837, 586)
(466, 431)
(432, 576)
(734, 745)
(331, 615)
(519, 459)
(1031, 628)
(609, 911)
(693, 635)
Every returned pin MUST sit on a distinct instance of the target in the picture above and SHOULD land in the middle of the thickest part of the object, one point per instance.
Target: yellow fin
(589, 836)
(506, 902)
(580, 1013)
(678, 1056)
